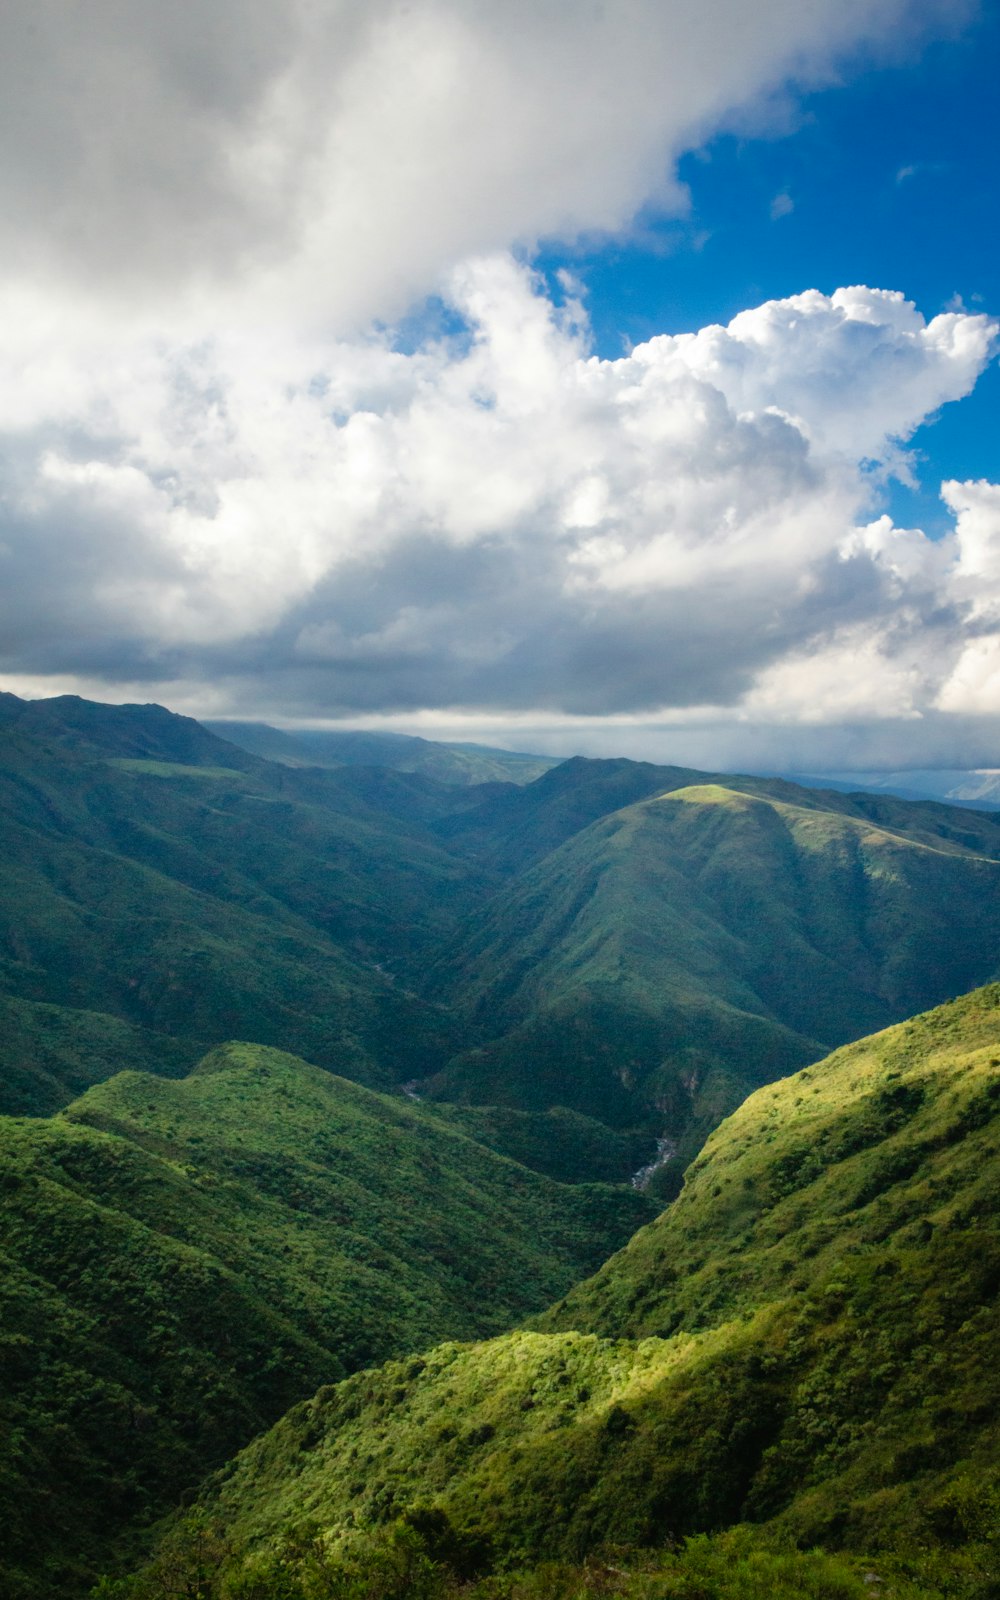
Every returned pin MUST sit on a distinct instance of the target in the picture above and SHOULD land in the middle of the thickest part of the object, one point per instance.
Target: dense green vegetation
(563, 1144)
(181, 1260)
(615, 940)
(549, 976)
(416, 1557)
(805, 1339)
(50, 1054)
(673, 955)
(207, 904)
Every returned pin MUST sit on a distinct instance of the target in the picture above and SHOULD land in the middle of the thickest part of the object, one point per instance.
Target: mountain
(462, 764)
(804, 1341)
(634, 947)
(577, 978)
(182, 1260)
(684, 948)
(156, 874)
(142, 733)
(513, 830)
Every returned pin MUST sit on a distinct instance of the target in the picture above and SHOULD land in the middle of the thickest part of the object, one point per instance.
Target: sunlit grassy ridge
(805, 1338)
(180, 1261)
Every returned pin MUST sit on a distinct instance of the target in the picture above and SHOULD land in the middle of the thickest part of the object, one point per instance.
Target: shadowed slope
(204, 901)
(50, 1054)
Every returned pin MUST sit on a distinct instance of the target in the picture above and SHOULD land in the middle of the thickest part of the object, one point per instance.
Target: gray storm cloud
(327, 162)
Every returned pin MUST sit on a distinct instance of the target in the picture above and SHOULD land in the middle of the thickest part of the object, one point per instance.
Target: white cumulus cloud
(502, 521)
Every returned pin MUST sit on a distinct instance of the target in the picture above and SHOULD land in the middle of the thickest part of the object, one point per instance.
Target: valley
(803, 1344)
(326, 1070)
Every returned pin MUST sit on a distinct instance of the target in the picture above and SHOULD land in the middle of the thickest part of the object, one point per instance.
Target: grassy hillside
(183, 1260)
(675, 954)
(512, 830)
(805, 1340)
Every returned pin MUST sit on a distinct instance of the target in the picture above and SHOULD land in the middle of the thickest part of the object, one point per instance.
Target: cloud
(281, 161)
(920, 169)
(225, 484)
(501, 522)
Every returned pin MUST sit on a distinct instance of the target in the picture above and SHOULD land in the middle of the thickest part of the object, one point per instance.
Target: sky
(616, 378)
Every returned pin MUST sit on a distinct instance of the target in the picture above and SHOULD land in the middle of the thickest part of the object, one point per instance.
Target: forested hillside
(683, 949)
(152, 872)
(181, 1261)
(805, 1340)
(633, 944)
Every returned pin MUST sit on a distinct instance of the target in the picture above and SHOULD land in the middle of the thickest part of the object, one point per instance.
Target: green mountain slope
(512, 830)
(675, 954)
(147, 732)
(181, 1260)
(560, 1143)
(198, 900)
(805, 1338)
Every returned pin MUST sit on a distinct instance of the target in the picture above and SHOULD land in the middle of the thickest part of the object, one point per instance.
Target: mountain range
(316, 1054)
